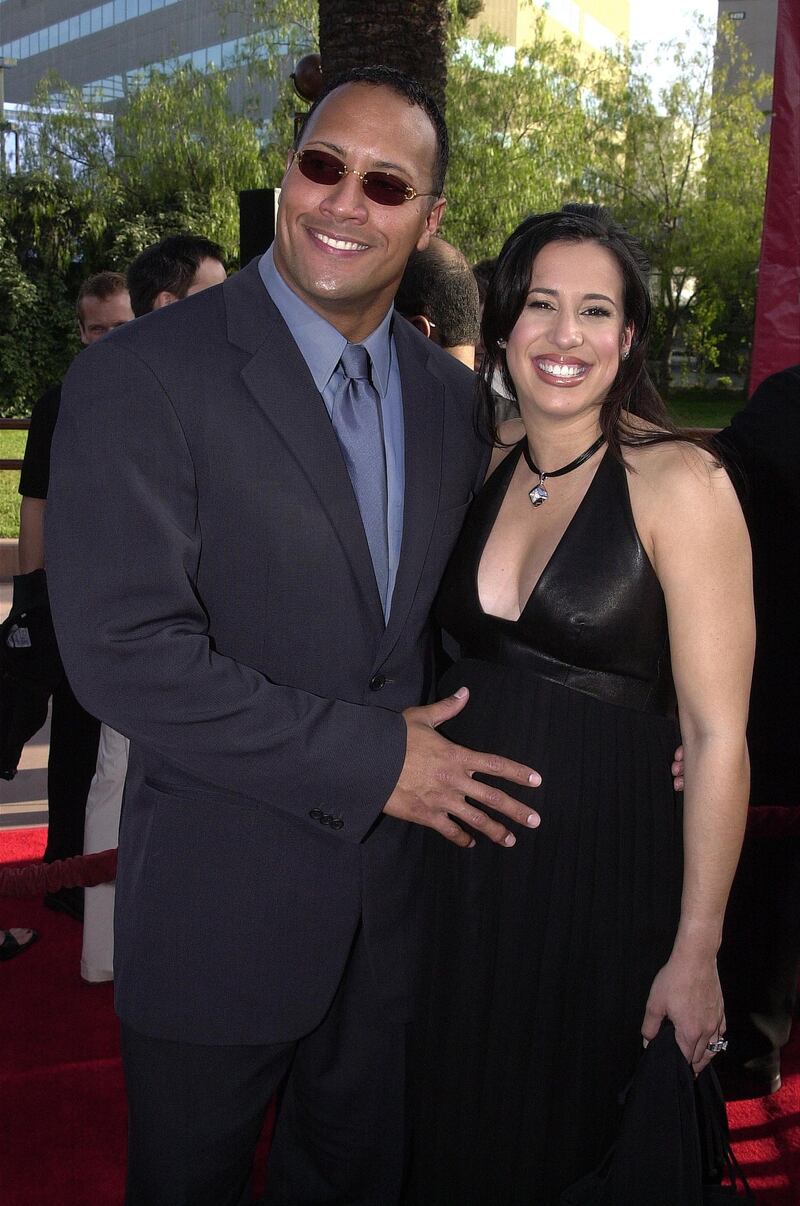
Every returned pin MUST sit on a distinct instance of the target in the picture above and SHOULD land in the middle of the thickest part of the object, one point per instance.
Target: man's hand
(437, 776)
(677, 769)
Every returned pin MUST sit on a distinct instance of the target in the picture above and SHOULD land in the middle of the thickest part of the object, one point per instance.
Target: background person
(177, 266)
(760, 954)
(103, 305)
(438, 295)
(576, 594)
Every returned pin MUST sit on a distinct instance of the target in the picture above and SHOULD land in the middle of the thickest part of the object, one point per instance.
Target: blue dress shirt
(321, 346)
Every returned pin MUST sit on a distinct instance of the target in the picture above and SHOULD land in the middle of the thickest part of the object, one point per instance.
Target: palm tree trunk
(408, 34)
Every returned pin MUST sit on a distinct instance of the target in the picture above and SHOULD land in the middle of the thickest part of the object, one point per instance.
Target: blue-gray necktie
(357, 422)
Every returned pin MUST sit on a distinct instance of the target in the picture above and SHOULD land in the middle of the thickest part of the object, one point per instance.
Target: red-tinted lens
(320, 168)
(384, 189)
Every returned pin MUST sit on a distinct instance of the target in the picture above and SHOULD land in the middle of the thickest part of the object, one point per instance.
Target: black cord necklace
(538, 494)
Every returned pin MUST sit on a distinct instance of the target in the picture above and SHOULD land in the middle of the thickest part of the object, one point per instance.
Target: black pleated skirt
(540, 957)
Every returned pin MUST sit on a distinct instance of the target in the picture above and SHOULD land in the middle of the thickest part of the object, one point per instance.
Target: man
(178, 266)
(759, 959)
(439, 296)
(277, 471)
(103, 305)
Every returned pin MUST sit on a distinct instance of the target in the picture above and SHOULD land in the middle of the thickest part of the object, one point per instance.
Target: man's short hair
(389, 77)
(438, 283)
(101, 285)
(170, 266)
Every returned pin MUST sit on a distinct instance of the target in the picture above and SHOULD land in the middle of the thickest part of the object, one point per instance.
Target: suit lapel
(279, 380)
(423, 411)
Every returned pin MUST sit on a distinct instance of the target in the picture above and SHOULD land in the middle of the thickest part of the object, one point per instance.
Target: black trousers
(759, 960)
(74, 736)
(195, 1111)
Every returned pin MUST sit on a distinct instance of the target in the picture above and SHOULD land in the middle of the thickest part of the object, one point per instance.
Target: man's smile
(336, 244)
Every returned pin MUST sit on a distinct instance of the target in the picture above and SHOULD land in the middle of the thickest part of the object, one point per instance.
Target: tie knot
(355, 361)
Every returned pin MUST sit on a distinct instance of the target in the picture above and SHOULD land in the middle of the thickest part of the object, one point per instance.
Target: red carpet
(62, 1103)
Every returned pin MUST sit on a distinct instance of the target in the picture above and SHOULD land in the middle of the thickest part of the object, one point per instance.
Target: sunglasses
(320, 167)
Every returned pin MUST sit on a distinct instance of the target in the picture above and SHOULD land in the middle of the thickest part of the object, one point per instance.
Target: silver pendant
(538, 494)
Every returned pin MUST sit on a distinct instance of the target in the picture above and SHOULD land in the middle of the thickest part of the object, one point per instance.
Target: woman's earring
(626, 353)
(501, 343)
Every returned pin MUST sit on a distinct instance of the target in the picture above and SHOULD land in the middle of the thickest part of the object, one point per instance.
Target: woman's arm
(701, 553)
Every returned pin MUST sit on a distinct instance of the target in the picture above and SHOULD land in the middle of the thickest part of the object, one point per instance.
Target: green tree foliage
(518, 135)
(686, 171)
(39, 280)
(173, 159)
(94, 192)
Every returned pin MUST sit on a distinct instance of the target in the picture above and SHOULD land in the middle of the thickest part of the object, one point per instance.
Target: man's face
(341, 253)
(99, 315)
(211, 272)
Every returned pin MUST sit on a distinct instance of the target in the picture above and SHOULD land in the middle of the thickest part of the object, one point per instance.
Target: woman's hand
(687, 991)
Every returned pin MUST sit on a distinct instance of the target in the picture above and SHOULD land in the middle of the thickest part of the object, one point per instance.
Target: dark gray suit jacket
(215, 601)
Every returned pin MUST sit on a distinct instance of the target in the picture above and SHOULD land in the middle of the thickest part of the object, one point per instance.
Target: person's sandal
(9, 947)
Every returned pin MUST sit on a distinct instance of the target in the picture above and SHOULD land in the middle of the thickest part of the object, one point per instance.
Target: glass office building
(105, 48)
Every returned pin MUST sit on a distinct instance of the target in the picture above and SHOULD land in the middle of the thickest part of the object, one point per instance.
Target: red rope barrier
(82, 871)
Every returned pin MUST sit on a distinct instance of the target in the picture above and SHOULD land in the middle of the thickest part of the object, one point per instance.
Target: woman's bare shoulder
(667, 461)
(509, 434)
(674, 478)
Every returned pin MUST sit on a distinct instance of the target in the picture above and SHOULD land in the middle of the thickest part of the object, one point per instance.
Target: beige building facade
(596, 24)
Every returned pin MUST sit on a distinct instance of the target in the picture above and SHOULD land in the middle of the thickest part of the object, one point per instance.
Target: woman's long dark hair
(632, 391)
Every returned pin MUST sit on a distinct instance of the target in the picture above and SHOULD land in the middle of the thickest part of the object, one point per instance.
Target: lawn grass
(690, 408)
(12, 445)
(694, 408)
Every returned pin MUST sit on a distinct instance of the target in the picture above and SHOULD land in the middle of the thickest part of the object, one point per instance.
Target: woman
(603, 548)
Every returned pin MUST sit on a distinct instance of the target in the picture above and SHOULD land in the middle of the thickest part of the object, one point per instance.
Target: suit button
(337, 823)
(377, 682)
(316, 814)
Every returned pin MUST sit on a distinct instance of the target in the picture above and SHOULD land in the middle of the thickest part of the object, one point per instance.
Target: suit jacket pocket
(205, 795)
(450, 521)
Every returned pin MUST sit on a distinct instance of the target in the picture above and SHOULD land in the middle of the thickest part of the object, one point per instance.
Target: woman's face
(564, 350)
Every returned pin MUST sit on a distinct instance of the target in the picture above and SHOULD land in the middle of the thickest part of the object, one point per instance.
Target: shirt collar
(320, 344)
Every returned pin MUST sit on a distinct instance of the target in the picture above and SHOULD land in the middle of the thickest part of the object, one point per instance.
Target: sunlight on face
(564, 350)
